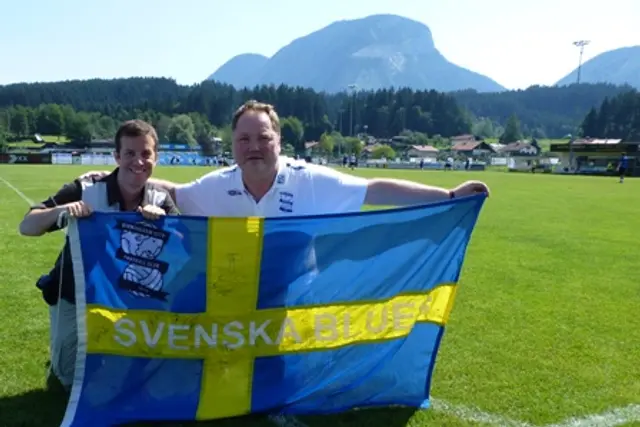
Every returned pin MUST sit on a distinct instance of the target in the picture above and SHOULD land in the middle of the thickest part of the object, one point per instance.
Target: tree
(182, 130)
(3, 137)
(353, 145)
(339, 143)
(590, 124)
(618, 117)
(203, 130)
(484, 128)
(104, 127)
(288, 150)
(50, 119)
(292, 132)
(79, 128)
(227, 138)
(512, 132)
(415, 138)
(19, 122)
(383, 151)
(326, 144)
(162, 124)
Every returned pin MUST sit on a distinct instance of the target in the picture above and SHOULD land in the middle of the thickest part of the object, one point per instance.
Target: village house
(423, 151)
(523, 156)
(471, 147)
(311, 148)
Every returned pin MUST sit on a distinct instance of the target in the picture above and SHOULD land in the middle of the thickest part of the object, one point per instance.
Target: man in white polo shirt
(263, 183)
(298, 189)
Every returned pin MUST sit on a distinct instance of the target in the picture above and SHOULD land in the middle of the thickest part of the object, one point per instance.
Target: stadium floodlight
(351, 89)
(581, 44)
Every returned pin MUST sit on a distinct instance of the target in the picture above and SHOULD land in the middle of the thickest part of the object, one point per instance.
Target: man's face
(136, 159)
(256, 145)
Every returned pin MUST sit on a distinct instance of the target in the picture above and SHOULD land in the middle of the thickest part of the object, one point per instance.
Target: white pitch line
(18, 192)
(612, 418)
(461, 412)
(467, 413)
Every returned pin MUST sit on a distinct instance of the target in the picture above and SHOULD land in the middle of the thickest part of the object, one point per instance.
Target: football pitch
(545, 330)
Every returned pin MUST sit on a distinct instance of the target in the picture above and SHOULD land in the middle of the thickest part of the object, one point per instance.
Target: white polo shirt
(300, 188)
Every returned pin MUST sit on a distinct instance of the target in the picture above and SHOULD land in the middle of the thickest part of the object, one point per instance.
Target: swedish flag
(190, 318)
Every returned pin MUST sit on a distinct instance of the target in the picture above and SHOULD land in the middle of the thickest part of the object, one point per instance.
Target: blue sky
(518, 43)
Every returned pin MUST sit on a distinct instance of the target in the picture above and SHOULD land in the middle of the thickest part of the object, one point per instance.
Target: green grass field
(545, 326)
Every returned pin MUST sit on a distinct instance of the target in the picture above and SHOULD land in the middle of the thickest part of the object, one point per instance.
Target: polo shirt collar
(114, 195)
(279, 181)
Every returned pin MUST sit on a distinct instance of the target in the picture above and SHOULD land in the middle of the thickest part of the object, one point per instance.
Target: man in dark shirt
(622, 166)
(125, 189)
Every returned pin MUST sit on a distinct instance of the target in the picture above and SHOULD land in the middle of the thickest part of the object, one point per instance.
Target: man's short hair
(258, 107)
(134, 128)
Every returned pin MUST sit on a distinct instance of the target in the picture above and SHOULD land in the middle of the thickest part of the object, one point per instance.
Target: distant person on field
(623, 164)
(127, 188)
(448, 164)
(264, 183)
(353, 161)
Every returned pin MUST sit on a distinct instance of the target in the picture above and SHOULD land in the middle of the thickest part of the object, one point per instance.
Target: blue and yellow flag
(190, 318)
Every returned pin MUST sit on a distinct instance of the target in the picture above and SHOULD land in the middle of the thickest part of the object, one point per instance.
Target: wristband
(62, 219)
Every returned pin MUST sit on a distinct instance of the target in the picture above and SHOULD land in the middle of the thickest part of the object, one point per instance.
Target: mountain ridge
(373, 52)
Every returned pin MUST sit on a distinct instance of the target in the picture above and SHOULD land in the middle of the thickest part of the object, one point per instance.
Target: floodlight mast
(351, 89)
(581, 44)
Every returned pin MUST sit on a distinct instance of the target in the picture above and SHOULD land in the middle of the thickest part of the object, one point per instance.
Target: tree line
(194, 129)
(543, 112)
(90, 109)
(617, 118)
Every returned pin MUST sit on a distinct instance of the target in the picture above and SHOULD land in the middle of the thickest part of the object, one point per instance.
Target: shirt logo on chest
(286, 201)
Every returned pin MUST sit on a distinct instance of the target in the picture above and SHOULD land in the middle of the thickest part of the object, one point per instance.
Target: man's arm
(169, 206)
(43, 218)
(168, 186)
(185, 197)
(396, 192)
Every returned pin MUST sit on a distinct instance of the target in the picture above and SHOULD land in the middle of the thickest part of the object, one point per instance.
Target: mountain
(239, 71)
(618, 66)
(374, 52)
